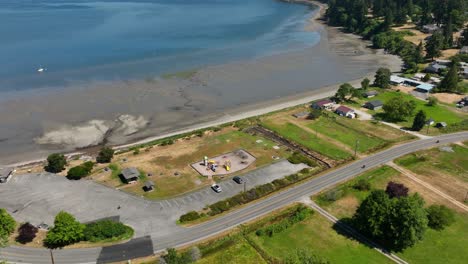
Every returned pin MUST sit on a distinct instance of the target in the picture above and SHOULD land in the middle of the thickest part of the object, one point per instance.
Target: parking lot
(37, 198)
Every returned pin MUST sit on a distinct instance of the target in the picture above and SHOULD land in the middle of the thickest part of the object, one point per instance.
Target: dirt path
(413, 177)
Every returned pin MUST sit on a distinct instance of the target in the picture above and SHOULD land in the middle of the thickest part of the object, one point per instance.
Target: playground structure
(224, 164)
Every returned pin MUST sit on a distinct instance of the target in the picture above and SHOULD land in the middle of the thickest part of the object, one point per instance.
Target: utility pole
(245, 182)
(52, 257)
(355, 148)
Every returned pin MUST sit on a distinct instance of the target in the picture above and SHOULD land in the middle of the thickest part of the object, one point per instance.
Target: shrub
(314, 114)
(67, 230)
(27, 233)
(332, 195)
(439, 217)
(105, 230)
(7, 226)
(172, 257)
(396, 190)
(432, 101)
(190, 216)
(105, 155)
(297, 158)
(80, 171)
(55, 163)
(362, 185)
(300, 214)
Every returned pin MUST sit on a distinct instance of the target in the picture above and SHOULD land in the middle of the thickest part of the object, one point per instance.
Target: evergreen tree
(434, 46)
(464, 37)
(365, 84)
(448, 34)
(105, 155)
(418, 55)
(55, 163)
(382, 78)
(419, 121)
(450, 81)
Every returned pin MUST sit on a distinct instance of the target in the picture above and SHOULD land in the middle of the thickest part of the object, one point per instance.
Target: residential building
(323, 104)
(464, 50)
(370, 94)
(345, 111)
(149, 186)
(373, 105)
(430, 28)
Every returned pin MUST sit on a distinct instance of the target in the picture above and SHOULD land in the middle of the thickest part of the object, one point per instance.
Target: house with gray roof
(130, 175)
(373, 105)
(149, 186)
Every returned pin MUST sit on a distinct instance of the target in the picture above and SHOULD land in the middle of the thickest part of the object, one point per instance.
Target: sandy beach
(122, 113)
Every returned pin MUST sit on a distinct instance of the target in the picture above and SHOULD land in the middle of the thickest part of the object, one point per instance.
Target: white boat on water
(40, 70)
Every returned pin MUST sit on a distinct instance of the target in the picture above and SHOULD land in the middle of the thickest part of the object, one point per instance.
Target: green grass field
(446, 246)
(426, 161)
(239, 252)
(440, 113)
(347, 135)
(317, 235)
(299, 135)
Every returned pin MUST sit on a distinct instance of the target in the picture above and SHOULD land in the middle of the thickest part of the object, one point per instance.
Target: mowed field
(334, 136)
(446, 246)
(315, 235)
(445, 167)
(170, 165)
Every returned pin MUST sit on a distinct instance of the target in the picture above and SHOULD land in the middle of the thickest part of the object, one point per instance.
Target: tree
(382, 78)
(105, 155)
(419, 121)
(396, 190)
(450, 82)
(432, 101)
(7, 226)
(362, 185)
(27, 233)
(370, 215)
(365, 84)
(418, 55)
(434, 46)
(397, 108)
(426, 77)
(439, 217)
(397, 223)
(67, 230)
(55, 163)
(343, 91)
(448, 33)
(406, 223)
(464, 37)
(80, 171)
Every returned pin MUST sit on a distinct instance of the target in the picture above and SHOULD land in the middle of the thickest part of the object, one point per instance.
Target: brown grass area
(448, 98)
(446, 54)
(418, 35)
(164, 162)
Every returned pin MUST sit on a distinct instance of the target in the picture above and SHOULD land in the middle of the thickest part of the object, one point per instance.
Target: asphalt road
(190, 235)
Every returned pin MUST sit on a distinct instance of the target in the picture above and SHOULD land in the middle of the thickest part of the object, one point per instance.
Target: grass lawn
(238, 252)
(426, 162)
(440, 113)
(317, 235)
(347, 135)
(299, 135)
(170, 165)
(448, 246)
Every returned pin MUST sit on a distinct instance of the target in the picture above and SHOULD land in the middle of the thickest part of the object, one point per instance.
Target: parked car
(216, 188)
(238, 180)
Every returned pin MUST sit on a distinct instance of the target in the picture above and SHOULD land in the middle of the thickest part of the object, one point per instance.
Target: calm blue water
(117, 39)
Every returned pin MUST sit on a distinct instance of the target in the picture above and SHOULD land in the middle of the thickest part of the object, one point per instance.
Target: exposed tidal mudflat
(136, 99)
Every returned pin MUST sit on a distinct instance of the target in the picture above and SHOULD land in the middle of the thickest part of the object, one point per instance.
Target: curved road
(254, 210)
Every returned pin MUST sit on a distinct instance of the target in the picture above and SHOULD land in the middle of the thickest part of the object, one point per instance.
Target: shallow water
(76, 40)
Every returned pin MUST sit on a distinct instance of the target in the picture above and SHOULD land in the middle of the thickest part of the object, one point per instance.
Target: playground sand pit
(238, 160)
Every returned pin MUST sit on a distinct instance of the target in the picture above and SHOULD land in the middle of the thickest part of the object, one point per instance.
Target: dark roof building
(149, 186)
(322, 104)
(441, 124)
(130, 175)
(373, 105)
(430, 28)
(435, 67)
(345, 111)
(370, 94)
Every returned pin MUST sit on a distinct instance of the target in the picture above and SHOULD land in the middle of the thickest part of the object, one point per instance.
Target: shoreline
(250, 109)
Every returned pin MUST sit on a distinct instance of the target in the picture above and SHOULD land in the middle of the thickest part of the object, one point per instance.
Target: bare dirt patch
(448, 97)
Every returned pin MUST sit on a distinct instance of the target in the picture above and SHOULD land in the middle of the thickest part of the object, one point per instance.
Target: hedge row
(245, 197)
(301, 213)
